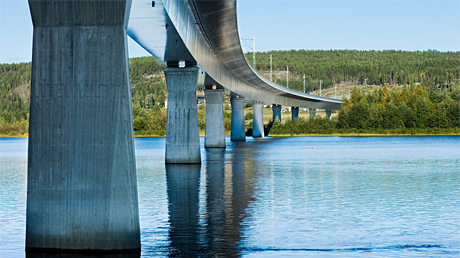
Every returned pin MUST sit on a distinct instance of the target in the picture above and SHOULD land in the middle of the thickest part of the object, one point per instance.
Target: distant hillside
(430, 68)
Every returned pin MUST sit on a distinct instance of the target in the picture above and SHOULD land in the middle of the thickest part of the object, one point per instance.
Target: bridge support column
(276, 112)
(238, 133)
(257, 119)
(182, 134)
(312, 112)
(215, 131)
(294, 113)
(81, 180)
(328, 113)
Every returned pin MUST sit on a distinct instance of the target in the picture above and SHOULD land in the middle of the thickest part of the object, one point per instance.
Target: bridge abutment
(257, 118)
(294, 113)
(312, 112)
(81, 186)
(215, 130)
(182, 134)
(238, 131)
(276, 112)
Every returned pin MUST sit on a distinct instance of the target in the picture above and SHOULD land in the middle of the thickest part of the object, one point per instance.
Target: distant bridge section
(206, 33)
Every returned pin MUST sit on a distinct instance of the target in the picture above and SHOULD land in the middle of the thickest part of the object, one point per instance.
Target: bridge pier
(276, 112)
(182, 134)
(257, 118)
(81, 180)
(238, 132)
(328, 113)
(312, 112)
(215, 130)
(294, 113)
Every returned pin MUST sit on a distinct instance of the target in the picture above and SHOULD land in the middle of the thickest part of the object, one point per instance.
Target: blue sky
(297, 24)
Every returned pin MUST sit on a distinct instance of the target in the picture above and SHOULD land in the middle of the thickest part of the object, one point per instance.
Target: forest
(427, 98)
(430, 68)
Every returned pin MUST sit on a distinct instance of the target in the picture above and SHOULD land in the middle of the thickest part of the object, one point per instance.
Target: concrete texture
(312, 112)
(215, 130)
(328, 113)
(294, 113)
(81, 185)
(276, 112)
(238, 131)
(257, 119)
(182, 134)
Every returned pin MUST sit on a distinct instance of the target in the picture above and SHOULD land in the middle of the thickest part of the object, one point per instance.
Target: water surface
(281, 197)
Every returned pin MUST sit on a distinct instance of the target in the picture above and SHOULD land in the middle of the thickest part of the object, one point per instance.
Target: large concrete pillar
(81, 185)
(312, 112)
(257, 118)
(215, 129)
(294, 113)
(182, 133)
(328, 113)
(276, 112)
(238, 133)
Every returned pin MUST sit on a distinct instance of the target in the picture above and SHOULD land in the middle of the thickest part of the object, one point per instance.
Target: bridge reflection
(216, 227)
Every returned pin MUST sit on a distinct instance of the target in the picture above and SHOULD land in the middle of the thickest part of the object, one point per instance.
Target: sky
(408, 25)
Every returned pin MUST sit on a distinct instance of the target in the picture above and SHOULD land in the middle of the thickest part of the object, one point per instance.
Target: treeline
(430, 68)
(412, 110)
(14, 109)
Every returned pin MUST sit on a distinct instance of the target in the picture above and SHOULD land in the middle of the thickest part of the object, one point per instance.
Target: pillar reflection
(81, 255)
(183, 181)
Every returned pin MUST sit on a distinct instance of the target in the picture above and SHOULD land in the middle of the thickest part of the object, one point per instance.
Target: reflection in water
(81, 255)
(227, 198)
(183, 187)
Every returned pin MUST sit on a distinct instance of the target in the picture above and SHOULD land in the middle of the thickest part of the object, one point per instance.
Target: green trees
(431, 68)
(412, 107)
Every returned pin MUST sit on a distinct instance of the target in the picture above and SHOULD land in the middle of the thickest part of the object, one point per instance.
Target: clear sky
(297, 24)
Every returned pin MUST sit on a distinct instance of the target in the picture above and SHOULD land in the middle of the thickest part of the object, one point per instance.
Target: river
(281, 197)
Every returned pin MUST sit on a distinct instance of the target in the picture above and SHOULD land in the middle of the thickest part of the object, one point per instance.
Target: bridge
(82, 188)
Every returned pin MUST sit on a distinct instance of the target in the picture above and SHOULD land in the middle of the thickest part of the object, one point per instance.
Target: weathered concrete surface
(182, 135)
(183, 183)
(312, 112)
(294, 113)
(257, 119)
(328, 113)
(81, 187)
(276, 112)
(215, 130)
(238, 132)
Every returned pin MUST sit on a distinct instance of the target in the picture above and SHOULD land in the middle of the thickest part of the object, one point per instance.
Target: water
(281, 197)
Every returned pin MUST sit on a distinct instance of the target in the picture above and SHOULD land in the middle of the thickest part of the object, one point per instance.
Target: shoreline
(291, 135)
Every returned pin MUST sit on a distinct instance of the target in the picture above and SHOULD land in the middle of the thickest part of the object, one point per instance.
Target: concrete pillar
(215, 130)
(312, 112)
(276, 112)
(257, 118)
(294, 113)
(328, 113)
(182, 134)
(238, 132)
(81, 185)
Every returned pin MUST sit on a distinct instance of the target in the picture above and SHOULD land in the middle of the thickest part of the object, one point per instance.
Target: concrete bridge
(82, 188)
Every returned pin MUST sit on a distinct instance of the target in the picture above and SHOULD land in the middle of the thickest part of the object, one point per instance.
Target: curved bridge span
(206, 32)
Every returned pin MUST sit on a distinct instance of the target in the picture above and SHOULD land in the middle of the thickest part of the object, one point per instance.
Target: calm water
(282, 197)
